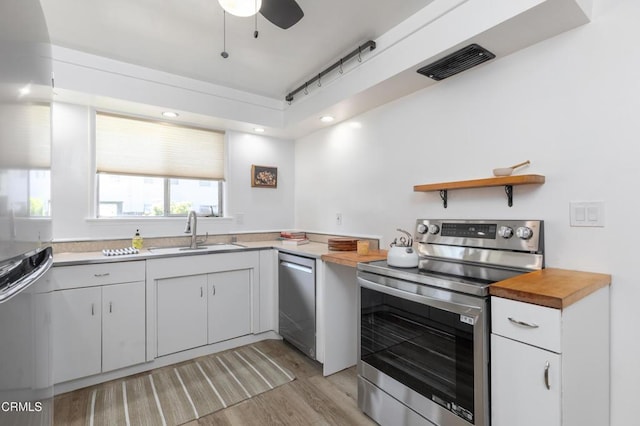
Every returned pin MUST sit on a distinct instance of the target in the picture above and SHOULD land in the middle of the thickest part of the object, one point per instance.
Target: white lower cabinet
(229, 308)
(76, 329)
(526, 383)
(182, 313)
(550, 366)
(97, 329)
(202, 309)
(123, 325)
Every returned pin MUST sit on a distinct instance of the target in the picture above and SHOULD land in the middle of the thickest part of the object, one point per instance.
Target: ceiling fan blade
(282, 13)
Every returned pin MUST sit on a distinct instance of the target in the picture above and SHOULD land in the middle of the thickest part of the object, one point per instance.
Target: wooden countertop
(352, 258)
(551, 287)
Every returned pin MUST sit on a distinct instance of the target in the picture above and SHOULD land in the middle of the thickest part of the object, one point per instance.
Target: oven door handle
(445, 305)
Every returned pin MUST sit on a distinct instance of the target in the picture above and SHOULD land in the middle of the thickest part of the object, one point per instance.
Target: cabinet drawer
(66, 277)
(536, 325)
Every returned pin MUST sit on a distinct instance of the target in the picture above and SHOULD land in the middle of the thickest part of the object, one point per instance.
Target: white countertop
(313, 249)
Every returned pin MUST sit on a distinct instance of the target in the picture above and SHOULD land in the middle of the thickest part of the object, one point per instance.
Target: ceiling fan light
(241, 7)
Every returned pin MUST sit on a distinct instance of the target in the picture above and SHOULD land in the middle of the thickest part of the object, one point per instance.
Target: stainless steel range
(423, 336)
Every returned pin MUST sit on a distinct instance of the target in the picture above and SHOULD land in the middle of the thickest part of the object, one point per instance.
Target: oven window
(427, 349)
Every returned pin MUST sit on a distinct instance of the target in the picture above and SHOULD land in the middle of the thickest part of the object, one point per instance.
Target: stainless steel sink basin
(203, 249)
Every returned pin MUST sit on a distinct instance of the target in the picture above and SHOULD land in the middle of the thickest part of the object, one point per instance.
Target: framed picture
(264, 176)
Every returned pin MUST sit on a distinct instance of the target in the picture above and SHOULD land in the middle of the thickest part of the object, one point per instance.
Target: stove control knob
(524, 233)
(434, 229)
(422, 228)
(505, 232)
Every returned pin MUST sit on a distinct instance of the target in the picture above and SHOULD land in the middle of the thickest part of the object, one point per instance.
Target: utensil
(506, 171)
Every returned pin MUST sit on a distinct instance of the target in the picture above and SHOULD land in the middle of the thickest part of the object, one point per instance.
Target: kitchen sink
(202, 249)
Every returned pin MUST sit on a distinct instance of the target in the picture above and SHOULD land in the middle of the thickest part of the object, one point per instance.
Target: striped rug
(174, 395)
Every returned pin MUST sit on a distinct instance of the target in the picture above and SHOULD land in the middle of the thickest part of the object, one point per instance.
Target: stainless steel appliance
(297, 300)
(423, 332)
(26, 386)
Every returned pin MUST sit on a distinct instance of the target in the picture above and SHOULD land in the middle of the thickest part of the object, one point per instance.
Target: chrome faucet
(192, 228)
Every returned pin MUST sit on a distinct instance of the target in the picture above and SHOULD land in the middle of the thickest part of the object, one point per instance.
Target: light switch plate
(587, 213)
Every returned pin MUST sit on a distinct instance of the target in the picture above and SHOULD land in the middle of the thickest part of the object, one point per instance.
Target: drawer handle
(546, 375)
(110, 307)
(106, 274)
(524, 324)
(93, 311)
(214, 289)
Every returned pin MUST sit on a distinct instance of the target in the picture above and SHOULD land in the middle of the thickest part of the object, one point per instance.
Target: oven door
(425, 347)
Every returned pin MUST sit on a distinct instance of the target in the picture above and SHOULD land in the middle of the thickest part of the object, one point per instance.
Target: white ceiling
(185, 37)
(143, 57)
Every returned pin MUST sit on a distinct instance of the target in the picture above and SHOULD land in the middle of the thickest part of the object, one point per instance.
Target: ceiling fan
(282, 13)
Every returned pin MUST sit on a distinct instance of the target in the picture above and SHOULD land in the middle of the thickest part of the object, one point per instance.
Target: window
(25, 193)
(25, 160)
(148, 168)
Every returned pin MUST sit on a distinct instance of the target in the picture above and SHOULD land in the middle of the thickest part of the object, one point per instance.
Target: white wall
(569, 104)
(261, 208)
(73, 186)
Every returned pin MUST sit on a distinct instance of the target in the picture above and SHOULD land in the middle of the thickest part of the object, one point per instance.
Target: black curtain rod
(368, 45)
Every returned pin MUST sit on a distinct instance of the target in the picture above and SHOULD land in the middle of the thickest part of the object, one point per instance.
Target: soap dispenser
(136, 241)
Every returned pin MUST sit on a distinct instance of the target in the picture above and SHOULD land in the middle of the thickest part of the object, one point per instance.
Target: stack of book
(294, 238)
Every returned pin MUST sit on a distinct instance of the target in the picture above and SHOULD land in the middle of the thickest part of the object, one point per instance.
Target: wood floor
(310, 399)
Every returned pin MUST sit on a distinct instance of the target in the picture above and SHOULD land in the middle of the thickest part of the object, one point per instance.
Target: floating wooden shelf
(507, 181)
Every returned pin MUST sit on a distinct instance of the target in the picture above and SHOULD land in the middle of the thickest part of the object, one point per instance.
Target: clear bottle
(136, 241)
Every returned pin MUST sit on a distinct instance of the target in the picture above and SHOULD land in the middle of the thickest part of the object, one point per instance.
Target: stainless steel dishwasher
(297, 298)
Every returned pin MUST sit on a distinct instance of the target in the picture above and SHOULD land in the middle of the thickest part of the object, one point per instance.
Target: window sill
(139, 219)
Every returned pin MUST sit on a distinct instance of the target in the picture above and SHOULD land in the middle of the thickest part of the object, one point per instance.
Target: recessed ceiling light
(170, 114)
(326, 119)
(25, 90)
(258, 129)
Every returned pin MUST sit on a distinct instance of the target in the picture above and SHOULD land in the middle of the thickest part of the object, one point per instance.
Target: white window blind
(137, 147)
(25, 135)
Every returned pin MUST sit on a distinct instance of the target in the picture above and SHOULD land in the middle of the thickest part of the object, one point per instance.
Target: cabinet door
(76, 327)
(229, 305)
(519, 392)
(123, 325)
(182, 313)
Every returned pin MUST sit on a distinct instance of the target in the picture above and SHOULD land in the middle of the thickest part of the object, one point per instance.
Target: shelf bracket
(443, 195)
(508, 189)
